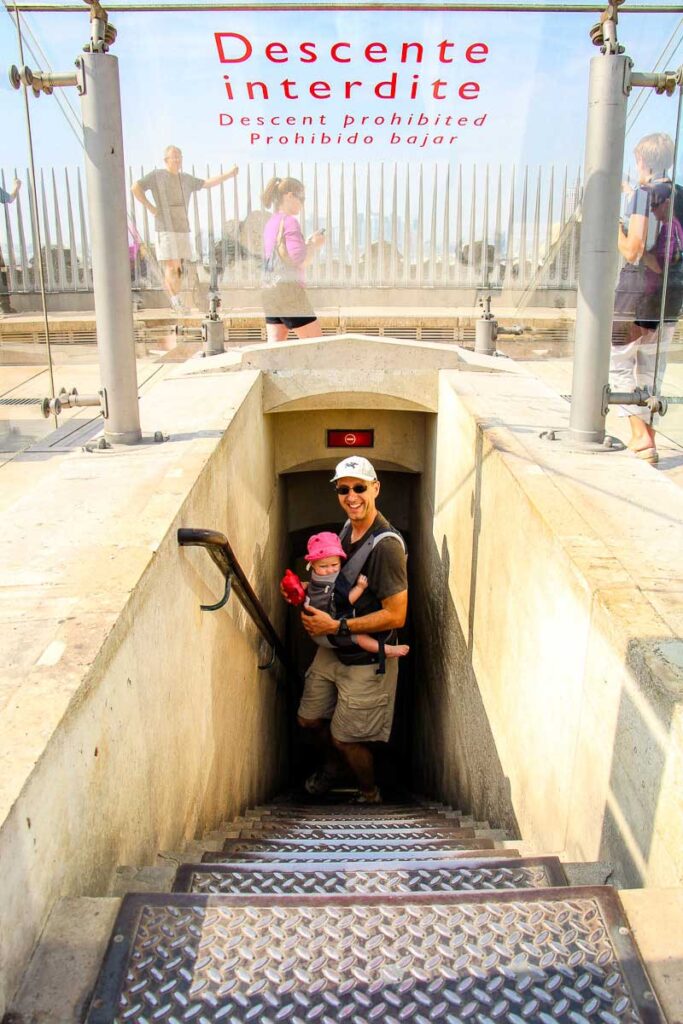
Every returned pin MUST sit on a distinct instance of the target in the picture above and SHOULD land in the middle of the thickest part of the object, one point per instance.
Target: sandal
(650, 455)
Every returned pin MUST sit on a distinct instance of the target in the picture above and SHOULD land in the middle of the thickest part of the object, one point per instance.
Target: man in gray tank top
(351, 705)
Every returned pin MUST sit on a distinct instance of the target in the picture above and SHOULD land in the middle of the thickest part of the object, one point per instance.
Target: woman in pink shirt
(286, 253)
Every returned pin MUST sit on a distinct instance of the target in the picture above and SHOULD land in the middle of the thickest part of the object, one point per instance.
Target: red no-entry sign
(350, 438)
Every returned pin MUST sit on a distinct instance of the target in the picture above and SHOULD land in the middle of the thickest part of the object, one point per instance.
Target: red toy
(291, 584)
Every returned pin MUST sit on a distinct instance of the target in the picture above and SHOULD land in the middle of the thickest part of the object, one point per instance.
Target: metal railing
(387, 226)
(236, 582)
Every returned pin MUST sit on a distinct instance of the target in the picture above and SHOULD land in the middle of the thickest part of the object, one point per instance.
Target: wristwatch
(343, 627)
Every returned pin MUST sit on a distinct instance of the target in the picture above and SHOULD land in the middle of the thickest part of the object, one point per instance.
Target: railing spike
(497, 232)
(407, 254)
(458, 228)
(368, 228)
(432, 229)
(471, 245)
(380, 229)
(47, 240)
(394, 228)
(59, 241)
(341, 245)
(446, 256)
(484, 265)
(419, 233)
(508, 280)
(9, 245)
(522, 275)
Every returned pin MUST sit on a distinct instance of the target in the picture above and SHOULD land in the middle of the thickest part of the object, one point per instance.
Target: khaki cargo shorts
(358, 701)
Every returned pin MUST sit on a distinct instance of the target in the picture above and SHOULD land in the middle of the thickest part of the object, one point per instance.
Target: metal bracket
(80, 77)
(663, 82)
(642, 397)
(41, 81)
(223, 601)
(72, 400)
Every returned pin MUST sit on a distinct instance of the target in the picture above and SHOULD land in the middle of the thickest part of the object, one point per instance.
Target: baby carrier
(346, 650)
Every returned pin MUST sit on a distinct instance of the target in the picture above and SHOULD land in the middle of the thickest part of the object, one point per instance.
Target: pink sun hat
(323, 545)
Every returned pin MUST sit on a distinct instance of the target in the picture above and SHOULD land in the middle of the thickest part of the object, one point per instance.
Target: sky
(531, 102)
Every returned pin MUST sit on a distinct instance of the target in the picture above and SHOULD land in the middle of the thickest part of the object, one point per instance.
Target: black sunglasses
(357, 489)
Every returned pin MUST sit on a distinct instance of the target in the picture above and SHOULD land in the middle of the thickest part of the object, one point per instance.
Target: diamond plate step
(316, 856)
(326, 812)
(357, 820)
(361, 878)
(381, 845)
(561, 956)
(340, 830)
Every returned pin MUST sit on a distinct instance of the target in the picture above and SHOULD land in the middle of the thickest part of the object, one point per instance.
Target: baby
(324, 556)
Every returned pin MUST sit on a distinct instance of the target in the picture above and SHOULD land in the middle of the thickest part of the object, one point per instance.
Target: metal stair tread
(317, 856)
(377, 845)
(561, 954)
(353, 820)
(355, 811)
(425, 876)
(335, 831)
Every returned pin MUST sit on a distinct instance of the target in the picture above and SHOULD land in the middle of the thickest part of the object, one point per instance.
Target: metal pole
(106, 180)
(605, 134)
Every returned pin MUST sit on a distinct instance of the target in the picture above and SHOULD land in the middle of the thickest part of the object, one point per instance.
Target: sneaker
(374, 797)
(319, 782)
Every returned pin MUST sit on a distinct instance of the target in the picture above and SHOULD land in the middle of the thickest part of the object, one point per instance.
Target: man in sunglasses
(348, 702)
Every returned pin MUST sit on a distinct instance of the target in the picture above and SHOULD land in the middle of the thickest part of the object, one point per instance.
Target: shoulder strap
(354, 566)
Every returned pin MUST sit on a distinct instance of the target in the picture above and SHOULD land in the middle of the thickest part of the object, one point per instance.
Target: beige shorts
(358, 701)
(174, 245)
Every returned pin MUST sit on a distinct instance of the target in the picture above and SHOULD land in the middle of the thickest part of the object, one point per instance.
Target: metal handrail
(236, 582)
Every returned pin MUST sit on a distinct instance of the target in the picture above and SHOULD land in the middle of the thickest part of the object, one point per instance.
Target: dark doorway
(311, 506)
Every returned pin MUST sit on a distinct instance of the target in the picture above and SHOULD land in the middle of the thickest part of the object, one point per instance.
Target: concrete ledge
(130, 719)
(562, 578)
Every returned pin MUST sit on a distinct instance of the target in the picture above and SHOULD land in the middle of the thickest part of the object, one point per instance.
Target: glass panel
(24, 362)
(649, 294)
(437, 160)
(665, 261)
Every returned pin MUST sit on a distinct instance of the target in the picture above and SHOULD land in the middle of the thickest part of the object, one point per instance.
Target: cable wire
(36, 219)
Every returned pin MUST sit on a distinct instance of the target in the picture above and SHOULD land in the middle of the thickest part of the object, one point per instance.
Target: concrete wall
(155, 722)
(553, 702)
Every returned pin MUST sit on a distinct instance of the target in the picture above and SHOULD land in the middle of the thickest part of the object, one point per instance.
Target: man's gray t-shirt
(385, 568)
(171, 194)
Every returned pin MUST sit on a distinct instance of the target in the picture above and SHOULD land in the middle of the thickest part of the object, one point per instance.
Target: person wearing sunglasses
(349, 693)
(285, 256)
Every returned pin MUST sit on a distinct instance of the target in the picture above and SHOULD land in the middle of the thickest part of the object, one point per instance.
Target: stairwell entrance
(311, 506)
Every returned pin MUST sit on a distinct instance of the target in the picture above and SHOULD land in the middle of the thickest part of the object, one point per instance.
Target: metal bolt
(623, 930)
(119, 937)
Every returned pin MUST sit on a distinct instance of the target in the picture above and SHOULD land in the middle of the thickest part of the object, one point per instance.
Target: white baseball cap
(355, 466)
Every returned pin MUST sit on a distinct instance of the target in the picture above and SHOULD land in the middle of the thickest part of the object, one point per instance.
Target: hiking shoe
(374, 797)
(320, 782)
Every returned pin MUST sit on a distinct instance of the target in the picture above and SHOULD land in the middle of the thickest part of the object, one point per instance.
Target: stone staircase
(405, 912)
